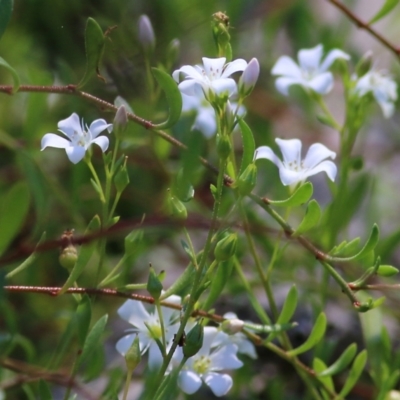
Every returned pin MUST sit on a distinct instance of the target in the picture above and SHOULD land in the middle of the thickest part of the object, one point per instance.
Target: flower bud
(175, 208)
(193, 341)
(133, 355)
(132, 240)
(146, 34)
(173, 49)
(220, 30)
(69, 254)
(121, 178)
(232, 326)
(120, 121)
(229, 115)
(224, 146)
(364, 65)
(154, 285)
(387, 270)
(247, 180)
(249, 78)
(226, 247)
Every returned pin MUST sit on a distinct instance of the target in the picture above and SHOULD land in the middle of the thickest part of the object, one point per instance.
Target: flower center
(155, 331)
(212, 73)
(309, 73)
(294, 166)
(80, 139)
(202, 365)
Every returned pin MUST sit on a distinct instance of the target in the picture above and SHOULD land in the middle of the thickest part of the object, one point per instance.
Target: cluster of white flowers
(218, 353)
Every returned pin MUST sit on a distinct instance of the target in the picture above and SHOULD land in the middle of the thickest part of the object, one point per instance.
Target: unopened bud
(232, 326)
(249, 78)
(247, 180)
(194, 341)
(132, 240)
(121, 178)
(224, 146)
(146, 34)
(364, 65)
(154, 285)
(175, 208)
(173, 49)
(120, 121)
(133, 355)
(220, 30)
(69, 254)
(226, 247)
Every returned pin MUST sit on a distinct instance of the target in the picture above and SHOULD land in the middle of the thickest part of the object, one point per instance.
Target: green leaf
(13, 210)
(385, 9)
(94, 44)
(188, 251)
(93, 339)
(84, 255)
(289, 307)
(319, 366)
(355, 372)
(312, 217)
(248, 145)
(44, 391)
(183, 284)
(342, 362)
(6, 8)
(11, 70)
(174, 98)
(82, 317)
(275, 328)
(316, 335)
(387, 271)
(345, 248)
(29, 261)
(300, 196)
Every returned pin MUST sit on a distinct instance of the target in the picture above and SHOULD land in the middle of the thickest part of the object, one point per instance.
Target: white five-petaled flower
(80, 137)
(293, 170)
(383, 88)
(206, 364)
(148, 328)
(311, 72)
(213, 77)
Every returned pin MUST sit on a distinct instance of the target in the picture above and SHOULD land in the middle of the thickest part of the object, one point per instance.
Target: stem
(127, 383)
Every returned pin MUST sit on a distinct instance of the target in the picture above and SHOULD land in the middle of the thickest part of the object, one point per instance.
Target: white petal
(209, 334)
(287, 67)
(75, 153)
(290, 149)
(133, 312)
(326, 166)
(266, 152)
(283, 84)
(289, 177)
(309, 59)
(234, 66)
(213, 67)
(225, 85)
(247, 347)
(331, 57)
(387, 108)
(220, 384)
(225, 358)
(52, 140)
(155, 356)
(317, 153)
(186, 71)
(322, 83)
(98, 126)
(102, 142)
(125, 343)
(189, 381)
(190, 103)
(205, 122)
(70, 125)
(190, 87)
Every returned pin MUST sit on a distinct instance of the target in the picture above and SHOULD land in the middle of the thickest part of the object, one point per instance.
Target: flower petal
(210, 332)
(224, 85)
(187, 71)
(283, 84)
(70, 125)
(75, 153)
(289, 177)
(317, 153)
(102, 142)
(134, 312)
(322, 83)
(189, 381)
(52, 140)
(290, 149)
(225, 358)
(155, 356)
(326, 166)
(220, 384)
(98, 126)
(125, 343)
(309, 59)
(266, 152)
(190, 87)
(287, 67)
(331, 57)
(234, 66)
(213, 67)
(205, 122)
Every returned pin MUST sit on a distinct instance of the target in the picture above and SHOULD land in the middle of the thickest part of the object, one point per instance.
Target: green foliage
(311, 219)
(299, 197)
(384, 10)
(6, 8)
(10, 69)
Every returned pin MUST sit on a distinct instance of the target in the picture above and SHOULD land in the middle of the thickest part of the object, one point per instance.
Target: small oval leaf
(316, 335)
(174, 98)
(312, 217)
(385, 9)
(248, 145)
(387, 271)
(12, 71)
(342, 362)
(83, 317)
(300, 196)
(289, 307)
(319, 366)
(94, 44)
(355, 372)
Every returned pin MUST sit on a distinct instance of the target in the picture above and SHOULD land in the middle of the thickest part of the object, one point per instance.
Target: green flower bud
(194, 341)
(132, 240)
(232, 326)
(226, 247)
(69, 254)
(154, 285)
(364, 65)
(220, 30)
(133, 355)
(247, 180)
(224, 146)
(121, 178)
(387, 271)
(173, 49)
(175, 208)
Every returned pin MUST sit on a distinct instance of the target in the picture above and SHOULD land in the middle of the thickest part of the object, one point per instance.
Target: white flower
(383, 88)
(80, 137)
(147, 327)
(292, 169)
(206, 364)
(311, 73)
(213, 77)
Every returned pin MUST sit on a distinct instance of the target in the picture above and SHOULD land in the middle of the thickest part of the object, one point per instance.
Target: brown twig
(365, 25)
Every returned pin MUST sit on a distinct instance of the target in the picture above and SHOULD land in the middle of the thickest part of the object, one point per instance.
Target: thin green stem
(127, 383)
(111, 274)
(162, 326)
